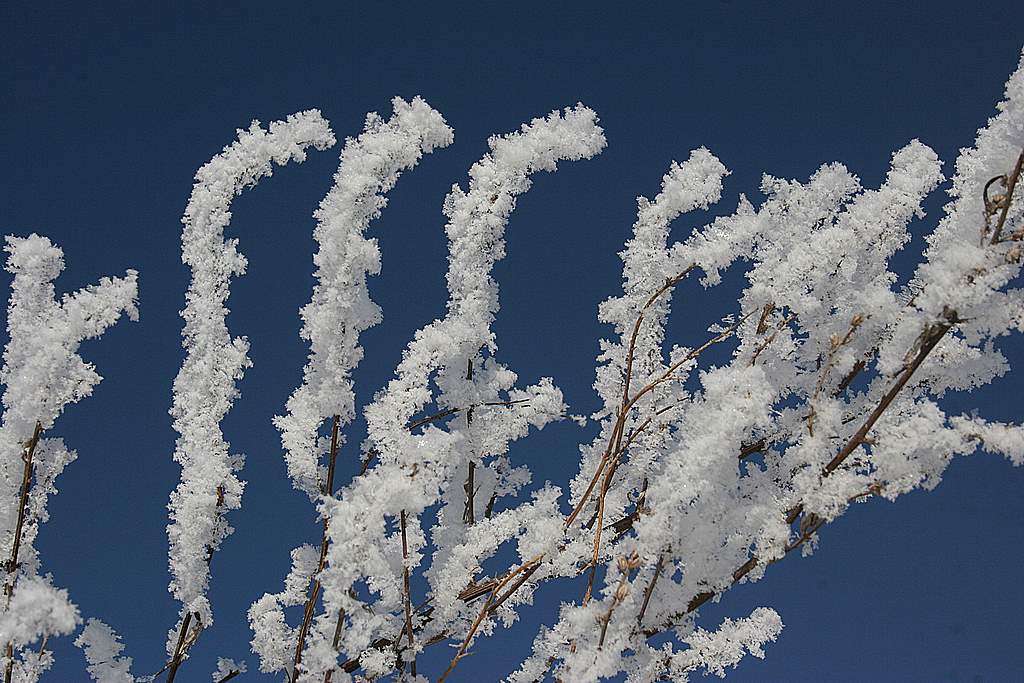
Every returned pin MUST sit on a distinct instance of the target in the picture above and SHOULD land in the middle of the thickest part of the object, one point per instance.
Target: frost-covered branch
(831, 396)
(339, 311)
(214, 361)
(415, 470)
(42, 374)
(341, 308)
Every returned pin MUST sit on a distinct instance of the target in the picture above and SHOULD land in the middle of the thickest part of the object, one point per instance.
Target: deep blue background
(108, 111)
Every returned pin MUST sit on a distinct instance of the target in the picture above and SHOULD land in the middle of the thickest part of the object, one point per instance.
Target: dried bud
(857, 320)
(621, 592)
(634, 561)
(835, 341)
(808, 522)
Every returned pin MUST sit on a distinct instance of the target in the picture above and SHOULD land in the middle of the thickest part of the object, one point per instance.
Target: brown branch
(231, 674)
(932, 335)
(183, 645)
(929, 338)
(669, 284)
(530, 566)
(627, 403)
(750, 449)
(179, 649)
(405, 589)
(220, 503)
(615, 439)
(650, 589)
(454, 411)
(470, 488)
(616, 449)
(626, 565)
(767, 342)
(314, 589)
(27, 454)
(1010, 186)
(762, 322)
(334, 643)
(850, 376)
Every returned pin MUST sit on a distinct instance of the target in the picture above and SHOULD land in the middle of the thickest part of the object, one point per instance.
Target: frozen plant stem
(314, 588)
(172, 669)
(12, 563)
(407, 595)
(1011, 185)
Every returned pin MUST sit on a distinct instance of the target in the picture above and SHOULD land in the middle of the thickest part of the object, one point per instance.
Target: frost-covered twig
(339, 311)
(214, 361)
(102, 648)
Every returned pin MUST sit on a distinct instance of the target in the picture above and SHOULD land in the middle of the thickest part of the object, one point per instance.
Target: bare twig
(179, 649)
(650, 589)
(455, 411)
(1005, 204)
(405, 588)
(231, 674)
(470, 488)
(762, 323)
(530, 567)
(625, 565)
(667, 287)
(614, 442)
(334, 643)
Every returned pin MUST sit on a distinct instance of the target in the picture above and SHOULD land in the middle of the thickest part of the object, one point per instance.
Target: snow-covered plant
(826, 389)
(700, 477)
(340, 309)
(42, 374)
(102, 648)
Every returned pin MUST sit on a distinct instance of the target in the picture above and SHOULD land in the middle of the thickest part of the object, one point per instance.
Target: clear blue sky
(109, 109)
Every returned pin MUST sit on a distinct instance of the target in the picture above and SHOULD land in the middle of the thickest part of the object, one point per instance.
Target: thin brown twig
(611, 458)
(485, 610)
(626, 565)
(615, 439)
(27, 455)
(669, 284)
(469, 487)
(616, 435)
(405, 588)
(334, 643)
(455, 411)
(762, 322)
(314, 580)
(172, 667)
(650, 589)
(1010, 186)
(186, 641)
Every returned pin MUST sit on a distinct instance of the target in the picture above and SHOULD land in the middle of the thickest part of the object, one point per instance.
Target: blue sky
(109, 109)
